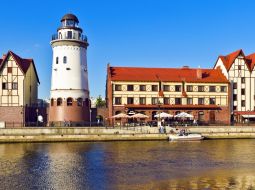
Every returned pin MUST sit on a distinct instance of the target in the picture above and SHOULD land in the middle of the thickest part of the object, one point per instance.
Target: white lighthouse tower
(69, 82)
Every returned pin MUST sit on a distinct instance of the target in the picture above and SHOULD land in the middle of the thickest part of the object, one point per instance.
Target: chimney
(4, 55)
(199, 73)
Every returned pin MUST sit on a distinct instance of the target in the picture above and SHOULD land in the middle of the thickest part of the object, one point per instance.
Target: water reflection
(219, 164)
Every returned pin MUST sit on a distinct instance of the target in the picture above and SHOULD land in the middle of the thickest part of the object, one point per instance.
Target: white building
(239, 70)
(69, 83)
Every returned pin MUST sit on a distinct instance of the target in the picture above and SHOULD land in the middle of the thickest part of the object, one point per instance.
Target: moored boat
(185, 137)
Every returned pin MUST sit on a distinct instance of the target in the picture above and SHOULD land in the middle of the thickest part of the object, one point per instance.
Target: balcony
(73, 37)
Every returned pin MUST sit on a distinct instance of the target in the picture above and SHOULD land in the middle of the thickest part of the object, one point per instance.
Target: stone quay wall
(43, 134)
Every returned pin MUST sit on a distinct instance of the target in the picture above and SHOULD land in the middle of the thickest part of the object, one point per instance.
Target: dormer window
(64, 59)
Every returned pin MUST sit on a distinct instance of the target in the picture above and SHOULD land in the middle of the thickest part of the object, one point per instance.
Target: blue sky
(142, 33)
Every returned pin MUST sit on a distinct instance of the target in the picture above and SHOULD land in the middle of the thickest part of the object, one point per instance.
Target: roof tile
(166, 74)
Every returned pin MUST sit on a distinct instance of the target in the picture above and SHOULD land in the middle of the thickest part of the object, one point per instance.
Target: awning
(248, 116)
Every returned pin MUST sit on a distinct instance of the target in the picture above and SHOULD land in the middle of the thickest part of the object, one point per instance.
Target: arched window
(52, 102)
(56, 60)
(79, 102)
(60, 35)
(69, 102)
(59, 102)
(64, 59)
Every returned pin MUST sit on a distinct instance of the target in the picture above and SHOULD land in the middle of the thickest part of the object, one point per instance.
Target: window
(4, 85)
(52, 102)
(243, 91)
(59, 102)
(201, 89)
(118, 100)
(189, 101)
(9, 69)
(130, 100)
(64, 59)
(234, 108)
(243, 103)
(142, 100)
(234, 97)
(189, 88)
(201, 101)
(69, 34)
(69, 102)
(154, 88)
(212, 101)
(167, 101)
(79, 102)
(212, 89)
(242, 80)
(178, 101)
(239, 67)
(154, 100)
(234, 85)
(15, 85)
(130, 87)
(223, 89)
(178, 88)
(166, 88)
(56, 60)
(142, 87)
(117, 87)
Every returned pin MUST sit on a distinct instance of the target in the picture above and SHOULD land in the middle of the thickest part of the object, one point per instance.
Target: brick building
(19, 89)
(204, 93)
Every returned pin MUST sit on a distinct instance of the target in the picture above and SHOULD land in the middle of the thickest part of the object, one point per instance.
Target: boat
(184, 136)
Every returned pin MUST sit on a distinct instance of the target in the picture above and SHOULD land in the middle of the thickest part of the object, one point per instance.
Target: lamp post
(37, 116)
(159, 119)
(90, 117)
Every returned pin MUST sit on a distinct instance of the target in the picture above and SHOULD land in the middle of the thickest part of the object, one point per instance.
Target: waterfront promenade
(52, 134)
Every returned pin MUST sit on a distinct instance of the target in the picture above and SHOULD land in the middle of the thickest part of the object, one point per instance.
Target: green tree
(100, 102)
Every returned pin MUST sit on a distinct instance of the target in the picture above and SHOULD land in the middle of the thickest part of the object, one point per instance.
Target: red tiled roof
(24, 64)
(229, 59)
(166, 74)
(251, 60)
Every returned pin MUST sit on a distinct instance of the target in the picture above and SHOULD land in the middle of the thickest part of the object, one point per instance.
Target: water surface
(214, 164)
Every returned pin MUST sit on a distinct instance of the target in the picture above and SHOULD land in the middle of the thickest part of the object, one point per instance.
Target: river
(209, 164)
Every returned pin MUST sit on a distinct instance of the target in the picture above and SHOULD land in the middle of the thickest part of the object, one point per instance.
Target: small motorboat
(183, 135)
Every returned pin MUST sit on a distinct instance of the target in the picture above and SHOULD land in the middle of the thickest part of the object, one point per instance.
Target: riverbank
(43, 134)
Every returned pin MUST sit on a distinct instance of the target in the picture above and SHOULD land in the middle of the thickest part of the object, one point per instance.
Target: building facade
(239, 70)
(69, 83)
(19, 89)
(204, 93)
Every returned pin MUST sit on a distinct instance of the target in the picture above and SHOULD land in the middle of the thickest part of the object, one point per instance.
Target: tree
(100, 102)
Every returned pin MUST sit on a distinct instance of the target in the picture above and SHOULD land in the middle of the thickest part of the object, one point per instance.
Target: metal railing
(73, 37)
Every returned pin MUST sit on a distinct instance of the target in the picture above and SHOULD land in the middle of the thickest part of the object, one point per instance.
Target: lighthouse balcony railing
(81, 38)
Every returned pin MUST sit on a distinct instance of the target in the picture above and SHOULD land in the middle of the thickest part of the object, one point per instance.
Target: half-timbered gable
(18, 88)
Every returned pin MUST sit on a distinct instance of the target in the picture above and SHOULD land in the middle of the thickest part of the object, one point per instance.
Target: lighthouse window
(56, 60)
(65, 59)
(79, 102)
(59, 102)
(69, 102)
(69, 34)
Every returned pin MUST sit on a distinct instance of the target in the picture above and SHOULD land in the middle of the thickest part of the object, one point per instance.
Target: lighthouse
(69, 96)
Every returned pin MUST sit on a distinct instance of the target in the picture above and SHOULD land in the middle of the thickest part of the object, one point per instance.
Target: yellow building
(18, 89)
(203, 93)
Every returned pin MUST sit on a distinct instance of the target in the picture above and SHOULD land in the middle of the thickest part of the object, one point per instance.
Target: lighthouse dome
(70, 17)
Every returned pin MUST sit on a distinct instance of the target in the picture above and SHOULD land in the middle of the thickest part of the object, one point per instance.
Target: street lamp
(159, 119)
(90, 117)
(37, 110)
